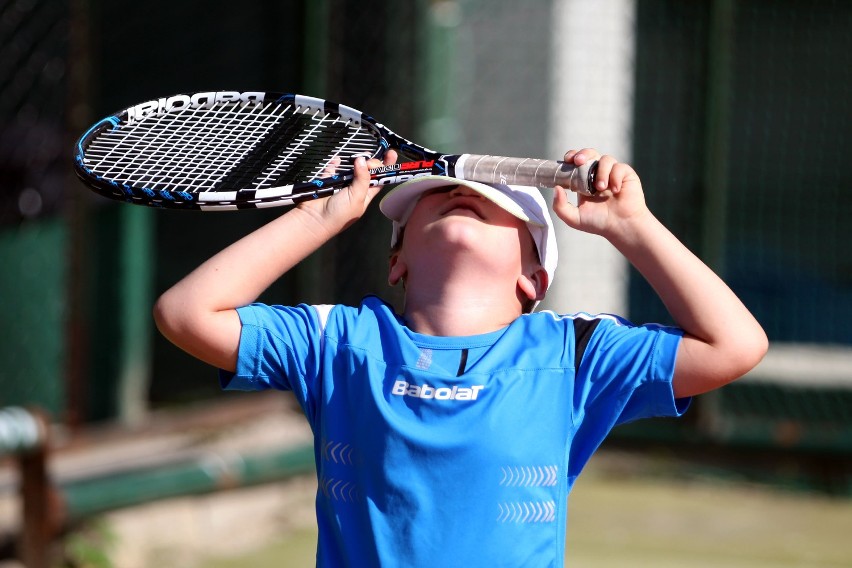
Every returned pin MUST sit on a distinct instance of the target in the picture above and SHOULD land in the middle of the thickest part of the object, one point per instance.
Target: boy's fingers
(580, 157)
(387, 160)
(619, 173)
(603, 176)
(331, 167)
(390, 158)
(563, 208)
(361, 182)
(360, 171)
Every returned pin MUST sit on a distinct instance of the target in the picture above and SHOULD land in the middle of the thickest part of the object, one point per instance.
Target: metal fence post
(24, 434)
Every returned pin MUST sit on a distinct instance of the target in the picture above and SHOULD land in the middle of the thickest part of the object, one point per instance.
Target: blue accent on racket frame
(110, 119)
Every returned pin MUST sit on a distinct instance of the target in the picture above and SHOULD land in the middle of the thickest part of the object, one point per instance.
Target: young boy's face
(458, 212)
(460, 218)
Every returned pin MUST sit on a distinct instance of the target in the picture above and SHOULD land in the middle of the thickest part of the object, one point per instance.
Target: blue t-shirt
(452, 451)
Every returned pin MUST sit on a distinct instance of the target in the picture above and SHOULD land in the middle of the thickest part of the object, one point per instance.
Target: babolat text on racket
(226, 150)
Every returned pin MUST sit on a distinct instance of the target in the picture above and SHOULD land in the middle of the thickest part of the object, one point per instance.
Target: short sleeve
(625, 374)
(279, 349)
(628, 370)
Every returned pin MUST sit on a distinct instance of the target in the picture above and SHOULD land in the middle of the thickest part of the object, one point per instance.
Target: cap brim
(399, 202)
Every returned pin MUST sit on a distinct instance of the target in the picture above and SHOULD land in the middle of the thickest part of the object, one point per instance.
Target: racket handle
(527, 171)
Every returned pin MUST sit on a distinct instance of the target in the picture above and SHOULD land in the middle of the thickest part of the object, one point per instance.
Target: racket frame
(420, 160)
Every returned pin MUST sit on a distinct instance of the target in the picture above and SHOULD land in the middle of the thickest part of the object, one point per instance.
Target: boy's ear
(534, 285)
(397, 269)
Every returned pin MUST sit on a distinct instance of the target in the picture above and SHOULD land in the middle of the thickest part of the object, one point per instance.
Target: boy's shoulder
(580, 322)
(372, 313)
(370, 308)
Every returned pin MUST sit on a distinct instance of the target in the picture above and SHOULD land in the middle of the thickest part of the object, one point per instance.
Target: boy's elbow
(167, 315)
(160, 313)
(754, 351)
(747, 351)
(761, 347)
(705, 367)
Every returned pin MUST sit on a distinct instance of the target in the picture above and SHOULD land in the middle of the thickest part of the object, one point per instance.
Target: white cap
(524, 202)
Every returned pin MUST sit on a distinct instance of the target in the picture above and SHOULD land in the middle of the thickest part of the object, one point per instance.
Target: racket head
(220, 150)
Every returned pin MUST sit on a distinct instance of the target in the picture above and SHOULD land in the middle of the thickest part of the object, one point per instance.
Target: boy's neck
(460, 306)
(456, 285)
(451, 322)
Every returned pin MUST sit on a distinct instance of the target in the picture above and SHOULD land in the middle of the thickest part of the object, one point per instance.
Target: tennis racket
(227, 150)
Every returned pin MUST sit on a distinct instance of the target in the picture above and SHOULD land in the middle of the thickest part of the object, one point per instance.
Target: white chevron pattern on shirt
(339, 489)
(337, 452)
(530, 476)
(527, 512)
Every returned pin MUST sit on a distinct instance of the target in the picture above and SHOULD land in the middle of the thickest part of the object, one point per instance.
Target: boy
(451, 434)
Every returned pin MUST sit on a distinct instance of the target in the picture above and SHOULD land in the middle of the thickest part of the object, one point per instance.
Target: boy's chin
(464, 230)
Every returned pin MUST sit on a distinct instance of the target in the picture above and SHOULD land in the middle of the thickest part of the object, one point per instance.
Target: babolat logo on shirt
(404, 388)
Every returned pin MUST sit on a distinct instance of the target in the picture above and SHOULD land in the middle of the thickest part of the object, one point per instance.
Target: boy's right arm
(198, 314)
(722, 339)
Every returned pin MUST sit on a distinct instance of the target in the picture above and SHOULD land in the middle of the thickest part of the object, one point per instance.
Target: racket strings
(235, 129)
(273, 143)
(227, 147)
(186, 151)
(314, 149)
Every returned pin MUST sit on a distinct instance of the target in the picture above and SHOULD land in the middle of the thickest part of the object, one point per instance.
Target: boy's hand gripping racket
(229, 150)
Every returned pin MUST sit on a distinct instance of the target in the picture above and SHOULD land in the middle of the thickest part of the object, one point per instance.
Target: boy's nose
(464, 191)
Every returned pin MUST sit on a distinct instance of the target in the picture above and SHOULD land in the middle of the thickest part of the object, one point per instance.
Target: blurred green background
(735, 113)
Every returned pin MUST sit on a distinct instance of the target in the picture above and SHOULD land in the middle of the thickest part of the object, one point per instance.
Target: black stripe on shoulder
(583, 330)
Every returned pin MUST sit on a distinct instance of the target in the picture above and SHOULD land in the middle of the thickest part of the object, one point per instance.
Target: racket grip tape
(528, 171)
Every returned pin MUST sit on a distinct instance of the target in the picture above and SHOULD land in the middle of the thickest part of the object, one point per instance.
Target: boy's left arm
(722, 340)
